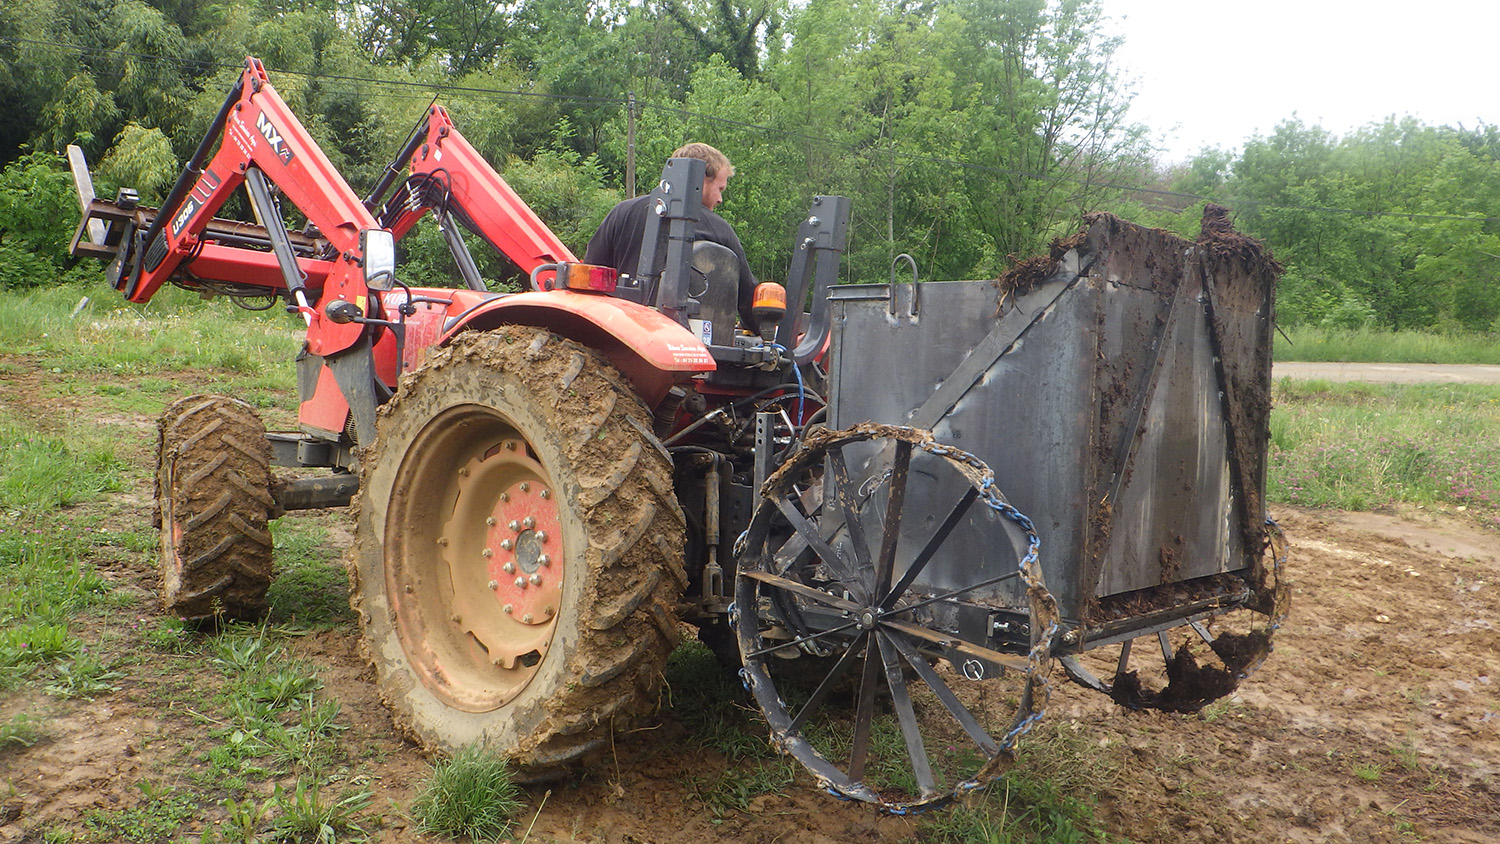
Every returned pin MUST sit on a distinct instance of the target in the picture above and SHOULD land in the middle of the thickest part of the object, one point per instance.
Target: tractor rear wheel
(519, 551)
(213, 502)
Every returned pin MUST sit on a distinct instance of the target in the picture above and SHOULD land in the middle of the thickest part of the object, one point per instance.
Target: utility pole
(630, 145)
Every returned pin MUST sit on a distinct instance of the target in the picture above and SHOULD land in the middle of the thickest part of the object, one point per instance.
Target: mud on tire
(519, 551)
(213, 500)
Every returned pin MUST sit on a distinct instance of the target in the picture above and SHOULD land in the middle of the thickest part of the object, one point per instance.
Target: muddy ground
(1376, 719)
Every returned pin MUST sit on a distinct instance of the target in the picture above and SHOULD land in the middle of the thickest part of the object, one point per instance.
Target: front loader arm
(260, 140)
(451, 179)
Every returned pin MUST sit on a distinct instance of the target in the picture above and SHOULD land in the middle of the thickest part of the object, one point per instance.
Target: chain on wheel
(935, 663)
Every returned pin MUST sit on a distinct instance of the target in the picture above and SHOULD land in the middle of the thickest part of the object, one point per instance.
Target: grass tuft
(305, 814)
(473, 794)
(20, 731)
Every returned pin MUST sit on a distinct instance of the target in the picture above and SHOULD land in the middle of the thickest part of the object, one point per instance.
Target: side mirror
(379, 248)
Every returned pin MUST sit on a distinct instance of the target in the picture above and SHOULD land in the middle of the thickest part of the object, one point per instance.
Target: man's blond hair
(713, 160)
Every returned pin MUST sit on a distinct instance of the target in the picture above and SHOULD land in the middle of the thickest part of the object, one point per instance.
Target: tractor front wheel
(519, 550)
(213, 502)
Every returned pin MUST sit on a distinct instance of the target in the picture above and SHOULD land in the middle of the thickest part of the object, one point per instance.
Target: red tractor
(519, 561)
(546, 483)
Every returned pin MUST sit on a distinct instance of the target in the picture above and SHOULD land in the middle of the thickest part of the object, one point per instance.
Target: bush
(38, 211)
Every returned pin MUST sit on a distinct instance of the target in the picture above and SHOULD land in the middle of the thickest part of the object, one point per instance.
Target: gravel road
(1390, 373)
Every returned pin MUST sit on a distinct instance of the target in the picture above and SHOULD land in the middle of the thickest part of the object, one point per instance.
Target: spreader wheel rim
(876, 624)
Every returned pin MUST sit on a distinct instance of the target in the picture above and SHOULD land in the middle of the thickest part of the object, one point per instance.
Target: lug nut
(526, 618)
(546, 493)
(488, 552)
(544, 560)
(525, 486)
(506, 545)
(541, 536)
(536, 580)
(463, 471)
(514, 525)
(520, 583)
(494, 584)
(510, 445)
(504, 496)
(549, 611)
(528, 523)
(509, 568)
(507, 609)
(489, 520)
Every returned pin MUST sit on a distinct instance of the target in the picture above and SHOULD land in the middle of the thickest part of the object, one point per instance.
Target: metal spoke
(1202, 631)
(939, 687)
(809, 533)
(965, 648)
(955, 516)
(805, 591)
(891, 531)
(1124, 662)
(916, 749)
(845, 494)
(801, 640)
(864, 713)
(954, 593)
(820, 694)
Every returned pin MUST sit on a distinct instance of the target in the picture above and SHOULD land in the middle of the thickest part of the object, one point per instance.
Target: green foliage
(142, 159)
(41, 583)
(472, 795)
(1048, 798)
(38, 209)
(158, 818)
(711, 702)
(169, 635)
(306, 814)
(86, 676)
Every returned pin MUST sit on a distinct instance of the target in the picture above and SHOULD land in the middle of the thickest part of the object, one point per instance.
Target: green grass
(176, 330)
(714, 706)
(1373, 346)
(158, 818)
(1363, 446)
(306, 813)
(40, 473)
(311, 588)
(470, 795)
(1047, 798)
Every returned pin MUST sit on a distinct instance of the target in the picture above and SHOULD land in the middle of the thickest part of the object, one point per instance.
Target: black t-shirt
(617, 244)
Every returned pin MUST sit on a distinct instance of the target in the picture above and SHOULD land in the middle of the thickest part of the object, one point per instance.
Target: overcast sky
(1216, 73)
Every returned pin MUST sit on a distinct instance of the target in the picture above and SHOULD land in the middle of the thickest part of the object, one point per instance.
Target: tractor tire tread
(213, 504)
(632, 530)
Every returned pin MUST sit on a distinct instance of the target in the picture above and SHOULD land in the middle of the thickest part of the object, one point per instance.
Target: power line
(391, 84)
